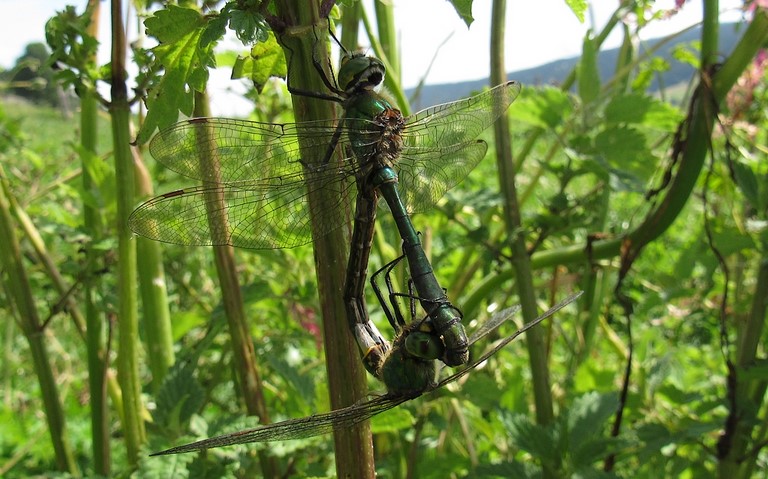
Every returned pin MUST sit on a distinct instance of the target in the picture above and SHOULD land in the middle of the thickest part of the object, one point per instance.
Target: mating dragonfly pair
(256, 181)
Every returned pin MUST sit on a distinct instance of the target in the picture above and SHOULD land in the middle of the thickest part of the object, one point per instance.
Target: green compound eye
(359, 72)
(424, 345)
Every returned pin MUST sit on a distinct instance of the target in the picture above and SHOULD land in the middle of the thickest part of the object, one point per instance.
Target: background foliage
(655, 205)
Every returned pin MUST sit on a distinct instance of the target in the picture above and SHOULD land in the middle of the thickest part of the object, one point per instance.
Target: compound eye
(424, 345)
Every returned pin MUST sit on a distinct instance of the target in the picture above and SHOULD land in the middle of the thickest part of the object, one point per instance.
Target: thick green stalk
(346, 375)
(385, 23)
(94, 318)
(17, 283)
(246, 363)
(521, 262)
(128, 324)
(350, 25)
(391, 82)
(156, 318)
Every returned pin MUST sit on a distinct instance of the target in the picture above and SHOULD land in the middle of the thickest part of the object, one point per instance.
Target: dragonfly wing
(493, 323)
(554, 309)
(463, 120)
(300, 428)
(425, 174)
(222, 150)
(271, 213)
(440, 145)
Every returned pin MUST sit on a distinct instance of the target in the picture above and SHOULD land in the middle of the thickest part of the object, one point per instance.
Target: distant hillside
(555, 72)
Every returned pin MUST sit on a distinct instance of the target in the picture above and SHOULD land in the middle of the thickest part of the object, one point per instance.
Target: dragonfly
(348, 417)
(264, 173)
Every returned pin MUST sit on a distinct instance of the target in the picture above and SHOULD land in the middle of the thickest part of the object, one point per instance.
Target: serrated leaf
(544, 108)
(624, 152)
(589, 74)
(395, 420)
(266, 60)
(578, 7)
(249, 26)
(464, 9)
(685, 54)
(537, 440)
(588, 413)
(185, 62)
(173, 23)
(637, 108)
(179, 398)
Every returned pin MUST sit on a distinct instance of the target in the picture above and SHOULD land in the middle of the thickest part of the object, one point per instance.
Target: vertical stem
(535, 338)
(346, 375)
(246, 363)
(94, 318)
(128, 346)
(17, 283)
(385, 22)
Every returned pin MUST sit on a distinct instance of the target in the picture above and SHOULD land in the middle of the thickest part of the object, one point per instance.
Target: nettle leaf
(623, 151)
(636, 108)
(544, 108)
(464, 9)
(587, 415)
(687, 53)
(578, 7)
(539, 441)
(265, 61)
(185, 55)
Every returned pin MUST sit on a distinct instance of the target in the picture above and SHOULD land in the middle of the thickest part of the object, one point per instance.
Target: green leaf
(578, 7)
(537, 440)
(266, 60)
(394, 420)
(180, 396)
(589, 74)
(747, 181)
(184, 58)
(687, 53)
(624, 153)
(464, 9)
(588, 413)
(173, 24)
(249, 26)
(544, 108)
(637, 108)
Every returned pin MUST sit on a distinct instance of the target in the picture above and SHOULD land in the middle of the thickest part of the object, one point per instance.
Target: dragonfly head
(360, 72)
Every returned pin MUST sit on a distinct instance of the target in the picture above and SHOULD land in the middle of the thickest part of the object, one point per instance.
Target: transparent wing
(441, 147)
(256, 177)
(255, 184)
(503, 316)
(309, 426)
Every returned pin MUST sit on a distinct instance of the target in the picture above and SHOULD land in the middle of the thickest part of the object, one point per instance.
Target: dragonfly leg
(391, 307)
(336, 93)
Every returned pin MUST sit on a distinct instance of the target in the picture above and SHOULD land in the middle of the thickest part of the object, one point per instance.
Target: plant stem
(17, 283)
(128, 347)
(94, 318)
(521, 262)
(246, 363)
(346, 375)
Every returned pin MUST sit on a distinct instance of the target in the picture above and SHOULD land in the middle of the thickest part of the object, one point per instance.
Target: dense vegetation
(656, 208)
